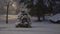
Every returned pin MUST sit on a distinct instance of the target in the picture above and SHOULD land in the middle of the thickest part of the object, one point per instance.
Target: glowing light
(13, 5)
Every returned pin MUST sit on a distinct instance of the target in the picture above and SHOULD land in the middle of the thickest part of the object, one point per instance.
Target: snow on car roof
(55, 17)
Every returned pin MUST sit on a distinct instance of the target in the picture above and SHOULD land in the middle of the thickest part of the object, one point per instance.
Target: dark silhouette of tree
(52, 6)
(40, 10)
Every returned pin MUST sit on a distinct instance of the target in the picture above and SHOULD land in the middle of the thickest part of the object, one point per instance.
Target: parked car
(54, 18)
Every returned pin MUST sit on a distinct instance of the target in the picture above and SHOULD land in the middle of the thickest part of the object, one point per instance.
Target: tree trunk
(38, 18)
(43, 17)
(38, 15)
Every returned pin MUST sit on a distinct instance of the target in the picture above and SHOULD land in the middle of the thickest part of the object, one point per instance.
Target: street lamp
(7, 13)
(8, 3)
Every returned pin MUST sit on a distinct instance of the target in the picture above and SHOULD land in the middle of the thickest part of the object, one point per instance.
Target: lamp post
(7, 13)
(8, 3)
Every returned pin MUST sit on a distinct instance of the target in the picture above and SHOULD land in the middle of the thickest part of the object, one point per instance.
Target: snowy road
(37, 28)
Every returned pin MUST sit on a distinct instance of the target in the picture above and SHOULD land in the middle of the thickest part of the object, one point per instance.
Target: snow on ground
(36, 29)
(10, 17)
(44, 27)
